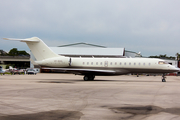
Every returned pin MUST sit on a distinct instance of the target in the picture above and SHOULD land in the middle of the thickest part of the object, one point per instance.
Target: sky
(151, 27)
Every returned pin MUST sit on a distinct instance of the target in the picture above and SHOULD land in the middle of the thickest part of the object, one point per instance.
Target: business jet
(91, 67)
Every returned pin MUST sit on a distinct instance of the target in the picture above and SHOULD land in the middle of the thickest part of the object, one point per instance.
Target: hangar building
(91, 50)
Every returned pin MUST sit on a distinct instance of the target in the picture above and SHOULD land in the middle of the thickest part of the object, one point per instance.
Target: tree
(2, 53)
(163, 56)
(15, 52)
(23, 53)
(178, 56)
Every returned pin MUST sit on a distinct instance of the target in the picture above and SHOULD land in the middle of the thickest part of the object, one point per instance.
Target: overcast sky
(149, 26)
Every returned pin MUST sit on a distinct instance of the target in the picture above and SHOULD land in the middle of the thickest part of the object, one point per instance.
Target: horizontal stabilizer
(33, 39)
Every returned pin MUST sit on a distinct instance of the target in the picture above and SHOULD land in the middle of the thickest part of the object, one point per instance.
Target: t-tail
(39, 49)
(43, 54)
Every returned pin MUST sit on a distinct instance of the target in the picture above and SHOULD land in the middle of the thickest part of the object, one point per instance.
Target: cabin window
(134, 63)
(129, 63)
(120, 63)
(124, 63)
(115, 63)
(91, 63)
(96, 63)
(87, 63)
(83, 63)
(144, 64)
(149, 63)
(101, 63)
(139, 63)
(111, 63)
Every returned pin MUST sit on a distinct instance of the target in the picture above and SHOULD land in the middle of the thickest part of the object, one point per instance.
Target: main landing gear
(89, 77)
(163, 78)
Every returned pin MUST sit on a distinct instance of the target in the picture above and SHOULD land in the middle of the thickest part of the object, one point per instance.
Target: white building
(91, 50)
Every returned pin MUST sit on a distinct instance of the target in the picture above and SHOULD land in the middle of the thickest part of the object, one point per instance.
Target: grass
(9, 73)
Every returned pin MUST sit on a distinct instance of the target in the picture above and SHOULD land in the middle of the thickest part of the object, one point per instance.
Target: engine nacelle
(55, 62)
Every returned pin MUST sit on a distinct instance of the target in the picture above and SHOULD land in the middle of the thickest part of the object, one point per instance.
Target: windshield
(162, 62)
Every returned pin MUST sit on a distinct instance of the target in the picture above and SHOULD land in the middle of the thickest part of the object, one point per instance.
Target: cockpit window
(162, 62)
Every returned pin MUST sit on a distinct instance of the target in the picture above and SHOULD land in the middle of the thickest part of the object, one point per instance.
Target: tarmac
(67, 97)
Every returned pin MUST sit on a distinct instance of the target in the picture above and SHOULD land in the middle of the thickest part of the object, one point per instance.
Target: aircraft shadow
(99, 80)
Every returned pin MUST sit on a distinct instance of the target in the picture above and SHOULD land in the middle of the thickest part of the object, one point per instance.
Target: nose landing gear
(163, 78)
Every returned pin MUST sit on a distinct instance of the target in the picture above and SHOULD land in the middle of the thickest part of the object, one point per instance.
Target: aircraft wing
(84, 71)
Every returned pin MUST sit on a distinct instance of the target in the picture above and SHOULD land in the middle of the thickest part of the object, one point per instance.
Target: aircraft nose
(177, 69)
(174, 69)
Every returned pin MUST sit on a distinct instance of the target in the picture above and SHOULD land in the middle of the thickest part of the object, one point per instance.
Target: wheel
(89, 77)
(86, 78)
(163, 80)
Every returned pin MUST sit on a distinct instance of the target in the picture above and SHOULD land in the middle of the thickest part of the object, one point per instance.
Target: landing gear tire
(89, 77)
(163, 80)
(86, 78)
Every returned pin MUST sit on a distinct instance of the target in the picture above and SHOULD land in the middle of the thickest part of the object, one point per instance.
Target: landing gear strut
(89, 77)
(163, 78)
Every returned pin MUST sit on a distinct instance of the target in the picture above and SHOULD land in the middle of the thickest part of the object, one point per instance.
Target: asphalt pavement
(68, 97)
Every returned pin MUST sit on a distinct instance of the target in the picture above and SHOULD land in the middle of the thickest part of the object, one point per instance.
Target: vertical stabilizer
(38, 48)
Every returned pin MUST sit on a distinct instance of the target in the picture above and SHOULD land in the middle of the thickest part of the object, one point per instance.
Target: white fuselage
(129, 65)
